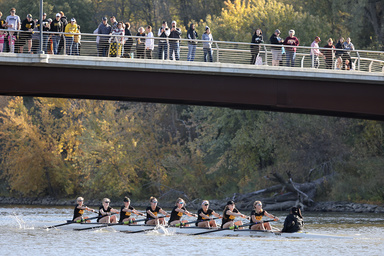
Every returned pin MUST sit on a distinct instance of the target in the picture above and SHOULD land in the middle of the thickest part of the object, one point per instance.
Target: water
(22, 234)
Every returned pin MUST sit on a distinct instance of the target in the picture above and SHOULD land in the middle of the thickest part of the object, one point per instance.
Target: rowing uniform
(154, 212)
(208, 213)
(258, 216)
(228, 218)
(176, 215)
(105, 211)
(78, 212)
(125, 215)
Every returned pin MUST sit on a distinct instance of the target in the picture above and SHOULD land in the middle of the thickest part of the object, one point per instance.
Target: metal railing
(222, 51)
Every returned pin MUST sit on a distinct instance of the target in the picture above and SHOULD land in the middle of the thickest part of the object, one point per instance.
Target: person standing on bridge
(291, 40)
(56, 26)
(104, 29)
(164, 32)
(315, 53)
(192, 34)
(70, 30)
(276, 51)
(207, 46)
(140, 43)
(257, 39)
(329, 55)
(174, 45)
(149, 43)
(27, 27)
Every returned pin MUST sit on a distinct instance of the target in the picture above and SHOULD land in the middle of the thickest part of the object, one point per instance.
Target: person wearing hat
(70, 30)
(257, 215)
(174, 45)
(46, 27)
(229, 214)
(291, 41)
(164, 32)
(207, 46)
(126, 212)
(64, 20)
(205, 216)
(56, 26)
(294, 221)
(315, 52)
(276, 51)
(104, 29)
(27, 27)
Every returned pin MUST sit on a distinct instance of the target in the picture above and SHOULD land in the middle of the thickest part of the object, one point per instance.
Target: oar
(144, 230)
(110, 224)
(71, 222)
(230, 228)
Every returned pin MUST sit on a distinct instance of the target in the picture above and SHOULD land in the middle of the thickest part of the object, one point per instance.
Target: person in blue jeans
(56, 26)
(290, 52)
(174, 45)
(164, 32)
(207, 46)
(192, 34)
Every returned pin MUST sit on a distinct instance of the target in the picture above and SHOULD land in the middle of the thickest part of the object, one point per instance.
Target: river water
(22, 233)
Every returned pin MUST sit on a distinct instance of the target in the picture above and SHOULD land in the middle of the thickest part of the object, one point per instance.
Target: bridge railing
(222, 51)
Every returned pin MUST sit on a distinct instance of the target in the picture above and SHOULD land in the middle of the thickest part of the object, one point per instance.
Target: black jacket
(192, 34)
(256, 39)
(293, 223)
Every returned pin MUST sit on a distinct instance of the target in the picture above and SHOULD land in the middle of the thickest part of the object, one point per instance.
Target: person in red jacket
(290, 51)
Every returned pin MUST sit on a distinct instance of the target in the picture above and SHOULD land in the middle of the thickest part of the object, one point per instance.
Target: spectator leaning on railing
(27, 27)
(276, 51)
(315, 52)
(329, 55)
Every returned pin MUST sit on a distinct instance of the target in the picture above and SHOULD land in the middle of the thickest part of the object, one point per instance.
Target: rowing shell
(194, 230)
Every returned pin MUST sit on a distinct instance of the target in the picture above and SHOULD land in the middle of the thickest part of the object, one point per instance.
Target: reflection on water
(23, 234)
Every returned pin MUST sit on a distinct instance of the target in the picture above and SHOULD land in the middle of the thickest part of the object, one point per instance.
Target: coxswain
(126, 212)
(257, 216)
(229, 214)
(105, 212)
(79, 211)
(152, 213)
(294, 221)
(205, 216)
(177, 213)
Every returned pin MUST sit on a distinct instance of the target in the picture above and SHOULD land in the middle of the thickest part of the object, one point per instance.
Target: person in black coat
(294, 221)
(257, 38)
(129, 41)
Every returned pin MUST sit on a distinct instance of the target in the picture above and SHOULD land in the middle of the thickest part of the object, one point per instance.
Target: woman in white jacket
(149, 43)
(207, 46)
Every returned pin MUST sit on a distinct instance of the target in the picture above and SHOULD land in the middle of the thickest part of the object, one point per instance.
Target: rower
(294, 221)
(229, 214)
(178, 212)
(79, 211)
(152, 212)
(204, 216)
(105, 212)
(257, 216)
(126, 212)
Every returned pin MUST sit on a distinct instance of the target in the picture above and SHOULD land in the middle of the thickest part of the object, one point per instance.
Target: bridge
(357, 94)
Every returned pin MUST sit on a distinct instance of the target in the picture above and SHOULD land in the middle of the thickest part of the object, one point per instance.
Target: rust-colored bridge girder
(308, 91)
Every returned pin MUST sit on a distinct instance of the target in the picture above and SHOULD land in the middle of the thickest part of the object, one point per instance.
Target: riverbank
(195, 204)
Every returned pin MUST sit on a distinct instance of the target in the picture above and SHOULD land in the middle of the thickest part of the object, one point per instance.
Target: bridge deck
(299, 90)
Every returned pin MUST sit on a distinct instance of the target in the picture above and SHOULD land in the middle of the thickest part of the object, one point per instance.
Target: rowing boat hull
(195, 230)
